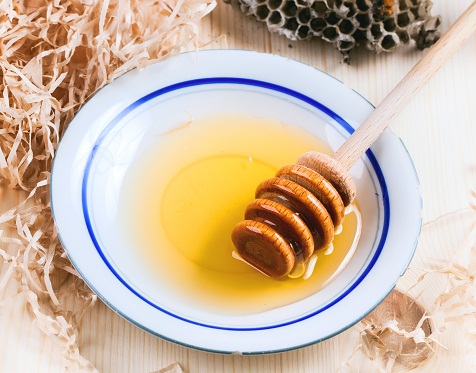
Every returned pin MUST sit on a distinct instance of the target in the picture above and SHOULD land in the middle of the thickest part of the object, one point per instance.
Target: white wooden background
(439, 129)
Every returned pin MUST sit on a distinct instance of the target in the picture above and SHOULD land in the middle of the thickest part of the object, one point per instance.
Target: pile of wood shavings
(54, 55)
(412, 327)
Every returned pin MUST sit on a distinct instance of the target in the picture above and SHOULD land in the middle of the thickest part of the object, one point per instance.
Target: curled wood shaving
(397, 331)
(54, 55)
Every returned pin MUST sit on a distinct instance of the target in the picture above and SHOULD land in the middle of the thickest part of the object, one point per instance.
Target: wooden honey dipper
(299, 211)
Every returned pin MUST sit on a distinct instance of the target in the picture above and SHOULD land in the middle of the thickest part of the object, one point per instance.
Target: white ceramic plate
(97, 150)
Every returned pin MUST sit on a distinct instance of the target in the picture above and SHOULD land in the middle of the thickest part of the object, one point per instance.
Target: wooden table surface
(439, 129)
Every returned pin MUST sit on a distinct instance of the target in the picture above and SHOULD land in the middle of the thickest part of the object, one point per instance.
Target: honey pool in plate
(191, 186)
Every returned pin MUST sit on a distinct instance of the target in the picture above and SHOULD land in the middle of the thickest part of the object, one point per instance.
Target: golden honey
(188, 190)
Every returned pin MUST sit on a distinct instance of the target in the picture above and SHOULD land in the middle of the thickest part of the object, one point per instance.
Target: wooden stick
(382, 116)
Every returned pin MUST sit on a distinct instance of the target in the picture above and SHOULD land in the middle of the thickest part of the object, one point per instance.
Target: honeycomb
(380, 25)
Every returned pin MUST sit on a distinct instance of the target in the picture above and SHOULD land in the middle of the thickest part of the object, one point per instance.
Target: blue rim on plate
(220, 80)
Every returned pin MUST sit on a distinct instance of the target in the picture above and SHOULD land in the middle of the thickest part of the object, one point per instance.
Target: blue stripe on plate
(254, 83)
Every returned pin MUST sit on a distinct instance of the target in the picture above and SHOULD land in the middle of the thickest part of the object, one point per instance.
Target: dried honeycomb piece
(380, 25)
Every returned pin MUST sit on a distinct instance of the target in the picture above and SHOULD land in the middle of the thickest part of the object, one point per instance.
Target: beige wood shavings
(436, 299)
(54, 55)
